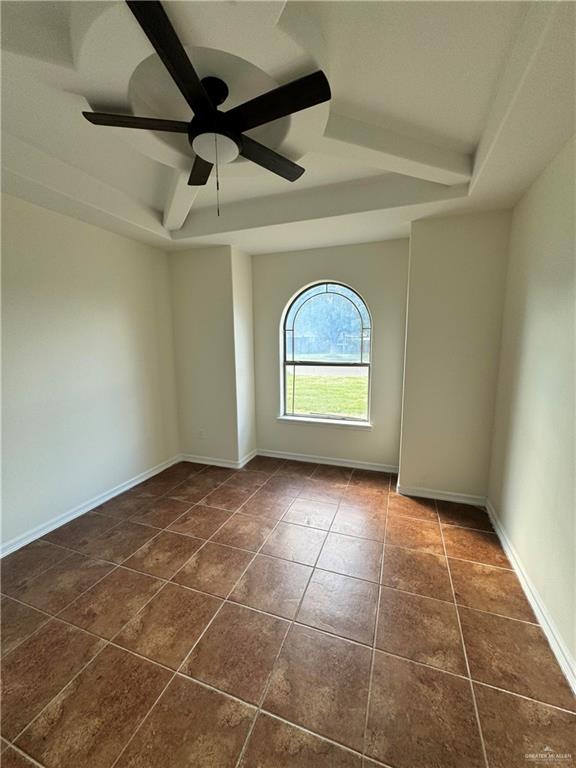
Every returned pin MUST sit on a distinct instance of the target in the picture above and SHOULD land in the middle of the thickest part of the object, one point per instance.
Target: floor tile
(200, 521)
(264, 464)
(195, 489)
(284, 485)
(409, 506)
(297, 468)
(229, 498)
(117, 544)
(365, 499)
(25, 564)
(122, 507)
(214, 569)
(54, 589)
(414, 534)
(13, 759)
(295, 542)
(159, 513)
(274, 744)
(316, 514)
(78, 533)
(335, 474)
(164, 555)
(197, 727)
(420, 628)
(182, 470)
(368, 478)
(321, 490)
(364, 523)
(89, 723)
(515, 656)
(490, 589)
(321, 683)
(464, 515)
(107, 606)
(516, 731)
(169, 625)
(244, 532)
(18, 622)
(154, 487)
(217, 475)
(351, 556)
(237, 652)
(418, 572)
(340, 604)
(247, 479)
(266, 504)
(39, 668)
(479, 546)
(272, 585)
(421, 717)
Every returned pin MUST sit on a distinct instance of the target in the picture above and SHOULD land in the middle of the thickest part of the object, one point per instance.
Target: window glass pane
(289, 390)
(328, 328)
(329, 391)
(300, 300)
(366, 346)
(354, 298)
(289, 345)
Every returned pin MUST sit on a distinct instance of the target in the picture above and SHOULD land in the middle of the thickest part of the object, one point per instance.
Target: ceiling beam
(376, 194)
(179, 202)
(30, 173)
(378, 147)
(522, 62)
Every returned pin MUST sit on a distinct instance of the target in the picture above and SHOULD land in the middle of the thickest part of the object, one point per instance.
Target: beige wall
(457, 277)
(378, 271)
(204, 346)
(244, 352)
(88, 388)
(533, 457)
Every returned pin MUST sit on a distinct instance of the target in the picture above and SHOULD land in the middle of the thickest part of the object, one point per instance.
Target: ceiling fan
(216, 137)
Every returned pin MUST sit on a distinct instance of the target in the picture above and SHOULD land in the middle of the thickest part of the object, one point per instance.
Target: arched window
(326, 337)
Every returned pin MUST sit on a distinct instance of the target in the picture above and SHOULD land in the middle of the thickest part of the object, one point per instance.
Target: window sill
(362, 425)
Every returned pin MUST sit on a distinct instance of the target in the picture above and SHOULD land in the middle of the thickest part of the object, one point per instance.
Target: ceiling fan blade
(200, 172)
(300, 94)
(131, 121)
(267, 158)
(159, 30)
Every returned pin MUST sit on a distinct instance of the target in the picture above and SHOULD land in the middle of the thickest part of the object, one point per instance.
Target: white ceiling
(437, 107)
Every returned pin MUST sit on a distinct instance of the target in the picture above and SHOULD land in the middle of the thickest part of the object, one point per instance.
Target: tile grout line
(178, 672)
(375, 636)
(107, 642)
(294, 622)
(20, 751)
(471, 684)
(299, 624)
(240, 758)
(116, 566)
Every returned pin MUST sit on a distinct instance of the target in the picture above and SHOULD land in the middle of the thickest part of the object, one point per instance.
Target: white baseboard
(41, 530)
(431, 493)
(328, 460)
(227, 463)
(559, 648)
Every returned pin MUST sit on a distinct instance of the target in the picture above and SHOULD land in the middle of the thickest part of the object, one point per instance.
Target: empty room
(288, 384)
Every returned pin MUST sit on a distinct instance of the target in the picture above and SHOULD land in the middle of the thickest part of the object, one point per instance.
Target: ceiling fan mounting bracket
(216, 89)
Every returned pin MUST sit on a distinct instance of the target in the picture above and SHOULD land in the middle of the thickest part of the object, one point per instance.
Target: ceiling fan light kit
(217, 137)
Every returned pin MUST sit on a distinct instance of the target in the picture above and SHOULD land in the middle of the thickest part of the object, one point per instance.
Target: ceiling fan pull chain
(217, 175)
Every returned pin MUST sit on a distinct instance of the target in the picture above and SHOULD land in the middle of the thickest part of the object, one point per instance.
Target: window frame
(336, 420)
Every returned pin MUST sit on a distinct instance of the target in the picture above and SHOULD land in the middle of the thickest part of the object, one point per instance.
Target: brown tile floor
(286, 615)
